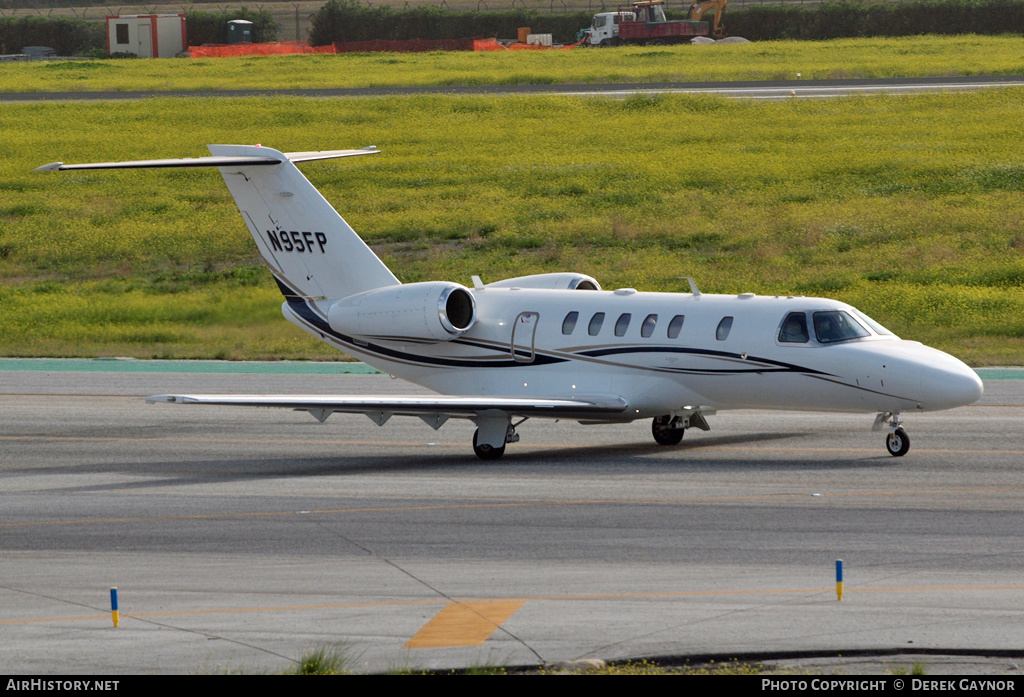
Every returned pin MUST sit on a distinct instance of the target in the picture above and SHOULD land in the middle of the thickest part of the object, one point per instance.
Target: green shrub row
(67, 36)
(835, 20)
(347, 20)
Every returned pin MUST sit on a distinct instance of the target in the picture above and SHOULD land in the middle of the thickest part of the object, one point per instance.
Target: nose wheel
(897, 442)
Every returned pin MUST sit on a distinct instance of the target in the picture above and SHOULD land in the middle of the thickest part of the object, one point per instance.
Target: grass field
(845, 58)
(908, 207)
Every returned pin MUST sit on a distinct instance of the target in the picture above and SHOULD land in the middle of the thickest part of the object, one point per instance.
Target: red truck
(644, 23)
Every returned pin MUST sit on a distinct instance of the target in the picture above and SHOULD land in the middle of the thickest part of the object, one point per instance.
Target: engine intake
(431, 311)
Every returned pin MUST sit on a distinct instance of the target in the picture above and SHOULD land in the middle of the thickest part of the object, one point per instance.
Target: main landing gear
(487, 451)
(897, 442)
(668, 429)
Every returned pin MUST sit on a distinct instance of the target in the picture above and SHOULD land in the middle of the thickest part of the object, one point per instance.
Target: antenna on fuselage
(693, 286)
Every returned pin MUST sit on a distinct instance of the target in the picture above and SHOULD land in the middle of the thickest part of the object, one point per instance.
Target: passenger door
(523, 333)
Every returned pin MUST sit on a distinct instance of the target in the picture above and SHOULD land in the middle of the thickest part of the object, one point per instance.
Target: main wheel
(897, 443)
(485, 451)
(664, 433)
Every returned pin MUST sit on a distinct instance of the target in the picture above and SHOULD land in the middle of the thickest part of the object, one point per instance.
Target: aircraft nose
(949, 384)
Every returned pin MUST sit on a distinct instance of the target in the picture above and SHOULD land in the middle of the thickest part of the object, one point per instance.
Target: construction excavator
(697, 10)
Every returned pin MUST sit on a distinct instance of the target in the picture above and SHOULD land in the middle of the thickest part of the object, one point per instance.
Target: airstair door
(523, 333)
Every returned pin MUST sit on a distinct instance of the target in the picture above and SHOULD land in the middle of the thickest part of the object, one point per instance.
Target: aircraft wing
(382, 407)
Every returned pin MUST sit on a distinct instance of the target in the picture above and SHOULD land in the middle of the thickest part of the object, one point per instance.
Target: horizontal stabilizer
(330, 154)
(214, 161)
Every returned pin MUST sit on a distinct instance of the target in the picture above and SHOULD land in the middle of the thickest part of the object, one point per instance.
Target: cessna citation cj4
(555, 345)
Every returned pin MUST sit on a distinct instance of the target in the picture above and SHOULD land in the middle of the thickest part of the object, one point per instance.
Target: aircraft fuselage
(525, 343)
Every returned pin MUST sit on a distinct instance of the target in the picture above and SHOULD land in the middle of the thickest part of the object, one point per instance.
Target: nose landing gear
(897, 442)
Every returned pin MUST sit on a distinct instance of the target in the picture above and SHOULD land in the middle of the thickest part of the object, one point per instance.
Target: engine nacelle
(550, 281)
(431, 311)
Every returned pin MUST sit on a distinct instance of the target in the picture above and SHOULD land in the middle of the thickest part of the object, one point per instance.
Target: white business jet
(556, 345)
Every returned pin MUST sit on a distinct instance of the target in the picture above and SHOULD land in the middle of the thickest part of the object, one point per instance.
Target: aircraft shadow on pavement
(706, 453)
(594, 459)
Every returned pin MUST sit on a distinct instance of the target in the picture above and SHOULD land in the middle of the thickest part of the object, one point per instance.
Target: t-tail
(335, 287)
(311, 250)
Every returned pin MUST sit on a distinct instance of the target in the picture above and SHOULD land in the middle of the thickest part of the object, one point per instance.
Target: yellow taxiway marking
(463, 624)
(494, 607)
(519, 504)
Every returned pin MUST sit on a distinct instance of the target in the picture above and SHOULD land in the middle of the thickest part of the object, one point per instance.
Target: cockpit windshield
(836, 325)
(828, 327)
(875, 326)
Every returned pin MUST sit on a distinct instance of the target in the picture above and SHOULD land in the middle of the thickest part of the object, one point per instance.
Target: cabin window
(833, 326)
(569, 323)
(595, 324)
(599, 22)
(622, 324)
(121, 31)
(794, 329)
(675, 326)
(722, 333)
(647, 328)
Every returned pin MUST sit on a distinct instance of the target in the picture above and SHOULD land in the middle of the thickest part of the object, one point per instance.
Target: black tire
(897, 443)
(485, 451)
(664, 434)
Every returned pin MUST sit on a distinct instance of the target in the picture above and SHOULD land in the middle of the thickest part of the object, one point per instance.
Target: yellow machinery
(697, 10)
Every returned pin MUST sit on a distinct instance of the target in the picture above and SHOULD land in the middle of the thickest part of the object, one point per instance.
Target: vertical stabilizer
(308, 246)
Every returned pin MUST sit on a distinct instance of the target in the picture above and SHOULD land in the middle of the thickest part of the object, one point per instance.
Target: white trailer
(148, 36)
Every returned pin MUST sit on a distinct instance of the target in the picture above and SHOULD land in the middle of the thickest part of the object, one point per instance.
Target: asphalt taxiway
(240, 538)
(742, 89)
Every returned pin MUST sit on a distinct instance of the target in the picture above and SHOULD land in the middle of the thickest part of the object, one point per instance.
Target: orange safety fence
(264, 49)
(381, 45)
(404, 46)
